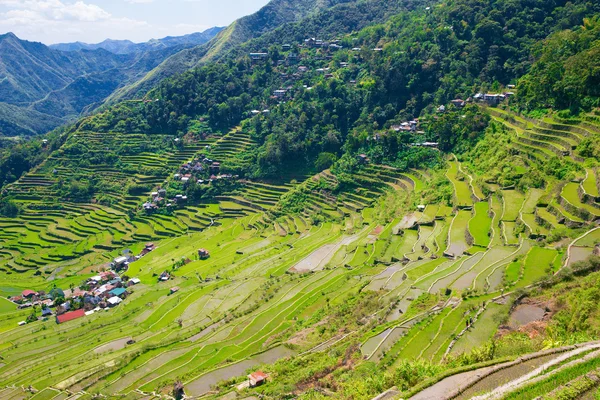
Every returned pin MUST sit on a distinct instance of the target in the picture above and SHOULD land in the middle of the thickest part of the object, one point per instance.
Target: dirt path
(569, 250)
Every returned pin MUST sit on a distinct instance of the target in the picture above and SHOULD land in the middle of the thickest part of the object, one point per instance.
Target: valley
(428, 276)
(326, 200)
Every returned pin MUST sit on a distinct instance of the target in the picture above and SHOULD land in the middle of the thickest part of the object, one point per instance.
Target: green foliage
(8, 208)
(565, 74)
(324, 161)
(458, 130)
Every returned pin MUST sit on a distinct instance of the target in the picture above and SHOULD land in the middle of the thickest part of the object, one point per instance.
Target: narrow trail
(566, 264)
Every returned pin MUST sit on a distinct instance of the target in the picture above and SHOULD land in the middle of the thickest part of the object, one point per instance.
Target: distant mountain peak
(128, 46)
(8, 35)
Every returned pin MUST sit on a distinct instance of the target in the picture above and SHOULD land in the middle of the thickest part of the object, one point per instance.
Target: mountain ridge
(128, 46)
(62, 84)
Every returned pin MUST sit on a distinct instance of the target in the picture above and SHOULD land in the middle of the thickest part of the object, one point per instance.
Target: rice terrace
(308, 218)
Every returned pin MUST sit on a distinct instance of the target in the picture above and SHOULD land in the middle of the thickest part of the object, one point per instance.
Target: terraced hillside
(433, 278)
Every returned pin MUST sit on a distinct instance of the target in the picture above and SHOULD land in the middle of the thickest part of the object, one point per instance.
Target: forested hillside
(280, 15)
(427, 58)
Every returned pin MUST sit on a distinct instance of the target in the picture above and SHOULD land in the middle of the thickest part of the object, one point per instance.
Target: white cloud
(60, 20)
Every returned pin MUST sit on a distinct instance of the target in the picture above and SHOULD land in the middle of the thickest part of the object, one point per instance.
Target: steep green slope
(18, 121)
(396, 72)
(269, 18)
(31, 70)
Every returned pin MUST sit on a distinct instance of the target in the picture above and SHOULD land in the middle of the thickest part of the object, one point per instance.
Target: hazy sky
(92, 21)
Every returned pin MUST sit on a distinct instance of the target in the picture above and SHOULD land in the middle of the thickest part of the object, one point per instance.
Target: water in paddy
(371, 345)
(524, 314)
(504, 376)
(203, 384)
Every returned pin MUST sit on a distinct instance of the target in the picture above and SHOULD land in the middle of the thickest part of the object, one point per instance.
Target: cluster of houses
(406, 126)
(197, 169)
(105, 290)
(325, 49)
(491, 99)
(99, 292)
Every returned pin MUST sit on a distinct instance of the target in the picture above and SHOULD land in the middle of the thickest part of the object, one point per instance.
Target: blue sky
(92, 21)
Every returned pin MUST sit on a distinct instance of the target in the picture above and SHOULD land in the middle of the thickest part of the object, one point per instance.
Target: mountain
(127, 46)
(63, 84)
(401, 205)
(29, 70)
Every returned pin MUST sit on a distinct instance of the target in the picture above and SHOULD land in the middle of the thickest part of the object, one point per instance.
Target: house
(215, 167)
(441, 109)
(70, 316)
(258, 56)
(118, 292)
(362, 158)
(79, 293)
(164, 276)
(492, 98)
(28, 294)
(421, 207)
(113, 301)
(120, 262)
(48, 303)
(312, 42)
(134, 281)
(286, 47)
(458, 103)
(511, 86)
(427, 144)
(292, 58)
(109, 275)
(149, 207)
(147, 249)
(257, 378)
(46, 312)
(16, 299)
(280, 93)
(174, 289)
(203, 254)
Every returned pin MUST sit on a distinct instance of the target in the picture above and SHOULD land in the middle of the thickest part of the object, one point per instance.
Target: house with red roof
(70, 316)
(29, 293)
(257, 378)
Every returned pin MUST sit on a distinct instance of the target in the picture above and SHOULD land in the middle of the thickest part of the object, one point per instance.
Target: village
(317, 58)
(101, 292)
